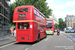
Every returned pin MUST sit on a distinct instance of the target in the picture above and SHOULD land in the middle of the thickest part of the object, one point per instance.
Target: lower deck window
(23, 25)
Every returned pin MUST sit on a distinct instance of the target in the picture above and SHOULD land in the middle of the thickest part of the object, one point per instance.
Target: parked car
(67, 30)
(72, 30)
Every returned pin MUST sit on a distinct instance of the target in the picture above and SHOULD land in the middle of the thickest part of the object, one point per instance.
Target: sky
(61, 8)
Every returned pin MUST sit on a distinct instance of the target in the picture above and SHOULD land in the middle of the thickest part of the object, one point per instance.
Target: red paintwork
(52, 24)
(32, 32)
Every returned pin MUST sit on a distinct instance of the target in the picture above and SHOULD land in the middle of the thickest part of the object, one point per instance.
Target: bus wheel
(38, 37)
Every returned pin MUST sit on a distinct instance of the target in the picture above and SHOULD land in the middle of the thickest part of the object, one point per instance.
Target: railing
(4, 31)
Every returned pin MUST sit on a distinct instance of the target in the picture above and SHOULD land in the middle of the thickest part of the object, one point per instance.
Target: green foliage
(41, 5)
(61, 22)
(56, 25)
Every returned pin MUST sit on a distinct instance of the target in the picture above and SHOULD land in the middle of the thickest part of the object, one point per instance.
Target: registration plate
(23, 38)
(58, 33)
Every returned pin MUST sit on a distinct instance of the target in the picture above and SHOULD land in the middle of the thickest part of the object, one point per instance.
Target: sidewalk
(6, 39)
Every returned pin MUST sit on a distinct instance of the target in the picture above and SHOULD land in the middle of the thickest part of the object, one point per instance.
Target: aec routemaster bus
(30, 24)
(49, 26)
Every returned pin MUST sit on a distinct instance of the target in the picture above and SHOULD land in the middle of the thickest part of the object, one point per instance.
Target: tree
(41, 5)
(60, 23)
(63, 25)
(56, 25)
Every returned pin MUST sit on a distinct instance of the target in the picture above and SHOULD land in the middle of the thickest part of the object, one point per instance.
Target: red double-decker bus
(49, 26)
(30, 24)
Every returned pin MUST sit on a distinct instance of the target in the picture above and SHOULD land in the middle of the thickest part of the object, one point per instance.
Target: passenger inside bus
(23, 25)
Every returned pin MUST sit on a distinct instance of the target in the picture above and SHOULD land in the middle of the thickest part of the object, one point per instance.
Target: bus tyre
(38, 37)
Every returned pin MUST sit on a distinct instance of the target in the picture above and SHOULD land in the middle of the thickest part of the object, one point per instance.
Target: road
(70, 36)
(52, 42)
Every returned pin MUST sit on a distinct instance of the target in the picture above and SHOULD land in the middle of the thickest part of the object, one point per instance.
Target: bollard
(64, 31)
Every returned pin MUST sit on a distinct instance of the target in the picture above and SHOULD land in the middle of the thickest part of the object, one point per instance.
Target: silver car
(67, 30)
(72, 30)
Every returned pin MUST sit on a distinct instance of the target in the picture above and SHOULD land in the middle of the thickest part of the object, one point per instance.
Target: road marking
(67, 38)
(26, 48)
(33, 44)
(7, 45)
(70, 39)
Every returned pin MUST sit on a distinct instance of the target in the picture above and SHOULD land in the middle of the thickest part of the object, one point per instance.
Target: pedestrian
(12, 32)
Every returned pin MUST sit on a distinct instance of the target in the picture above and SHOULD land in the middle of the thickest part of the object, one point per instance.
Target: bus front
(50, 27)
(24, 23)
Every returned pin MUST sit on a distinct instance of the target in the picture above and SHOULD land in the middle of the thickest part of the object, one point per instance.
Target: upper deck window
(43, 17)
(38, 13)
(34, 11)
(23, 10)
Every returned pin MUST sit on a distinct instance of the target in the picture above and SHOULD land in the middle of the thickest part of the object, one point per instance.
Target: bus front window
(49, 27)
(49, 24)
(23, 25)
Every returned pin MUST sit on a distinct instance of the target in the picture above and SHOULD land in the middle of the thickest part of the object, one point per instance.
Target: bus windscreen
(49, 26)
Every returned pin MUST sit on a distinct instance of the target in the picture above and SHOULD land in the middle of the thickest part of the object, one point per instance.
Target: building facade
(54, 18)
(4, 15)
(70, 21)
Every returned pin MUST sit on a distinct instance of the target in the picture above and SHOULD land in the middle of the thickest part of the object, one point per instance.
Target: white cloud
(59, 7)
(56, 8)
(50, 3)
(72, 12)
(68, 4)
(59, 14)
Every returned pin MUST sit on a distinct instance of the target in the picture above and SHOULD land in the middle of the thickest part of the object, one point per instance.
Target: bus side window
(34, 11)
(38, 13)
(38, 26)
